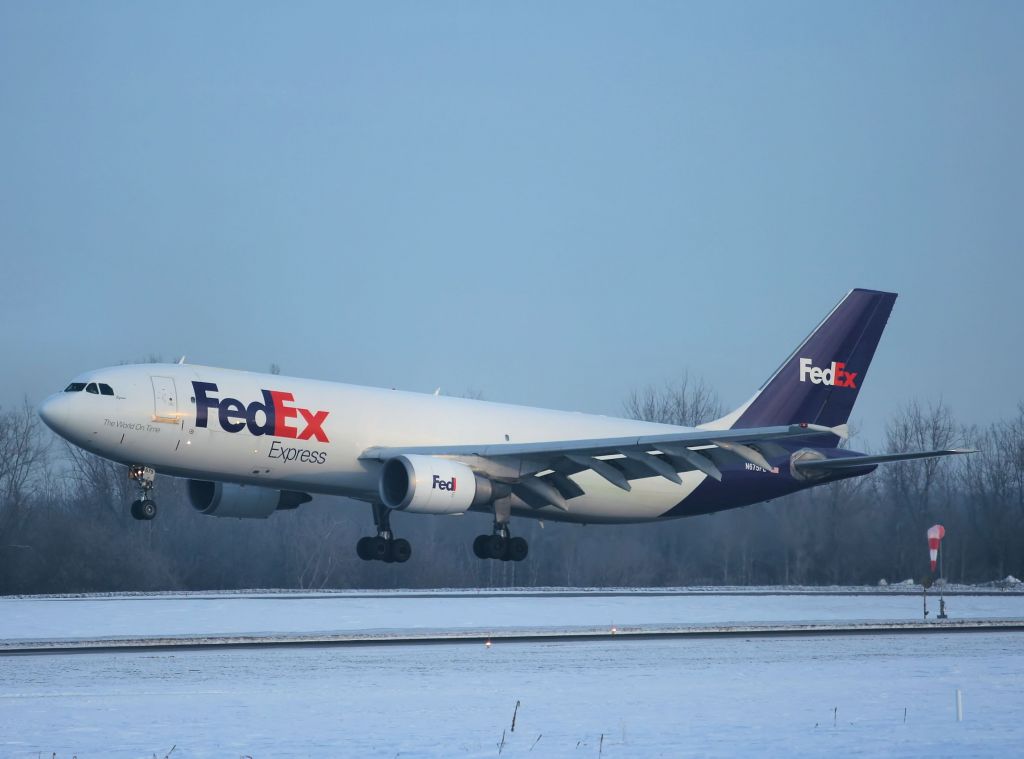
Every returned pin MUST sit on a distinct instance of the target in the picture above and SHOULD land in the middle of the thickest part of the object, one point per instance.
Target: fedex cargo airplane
(253, 444)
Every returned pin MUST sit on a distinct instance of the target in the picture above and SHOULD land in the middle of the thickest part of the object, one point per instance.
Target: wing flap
(653, 464)
(606, 469)
(539, 493)
(568, 488)
(683, 457)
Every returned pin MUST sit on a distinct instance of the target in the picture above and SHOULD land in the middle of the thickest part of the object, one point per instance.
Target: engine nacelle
(431, 485)
(224, 499)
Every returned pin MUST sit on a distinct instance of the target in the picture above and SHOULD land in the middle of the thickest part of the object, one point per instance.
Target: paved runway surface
(121, 644)
(287, 614)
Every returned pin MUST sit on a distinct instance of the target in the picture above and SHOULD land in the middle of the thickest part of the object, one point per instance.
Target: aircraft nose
(54, 413)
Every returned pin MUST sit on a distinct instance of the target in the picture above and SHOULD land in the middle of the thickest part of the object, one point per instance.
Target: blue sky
(551, 203)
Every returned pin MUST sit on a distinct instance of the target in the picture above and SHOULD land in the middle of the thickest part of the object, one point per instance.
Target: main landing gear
(500, 544)
(144, 508)
(385, 547)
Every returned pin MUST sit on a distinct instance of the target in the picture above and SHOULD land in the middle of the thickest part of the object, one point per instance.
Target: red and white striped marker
(935, 534)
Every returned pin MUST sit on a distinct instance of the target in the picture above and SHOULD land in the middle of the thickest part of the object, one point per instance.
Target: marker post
(942, 588)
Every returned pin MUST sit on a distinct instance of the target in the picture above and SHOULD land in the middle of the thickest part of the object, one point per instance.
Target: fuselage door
(165, 400)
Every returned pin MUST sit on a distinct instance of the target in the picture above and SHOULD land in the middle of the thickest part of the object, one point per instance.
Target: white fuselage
(155, 418)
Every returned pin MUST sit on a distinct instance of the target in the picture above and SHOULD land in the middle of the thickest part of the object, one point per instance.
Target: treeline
(65, 527)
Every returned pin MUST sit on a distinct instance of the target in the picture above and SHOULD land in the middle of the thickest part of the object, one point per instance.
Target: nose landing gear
(143, 509)
(385, 546)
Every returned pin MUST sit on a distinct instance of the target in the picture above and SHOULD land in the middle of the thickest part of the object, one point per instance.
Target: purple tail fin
(819, 382)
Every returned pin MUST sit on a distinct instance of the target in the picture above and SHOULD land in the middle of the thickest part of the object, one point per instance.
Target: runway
(418, 614)
(525, 635)
(901, 589)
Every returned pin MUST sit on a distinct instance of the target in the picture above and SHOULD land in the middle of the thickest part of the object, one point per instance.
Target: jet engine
(431, 485)
(222, 499)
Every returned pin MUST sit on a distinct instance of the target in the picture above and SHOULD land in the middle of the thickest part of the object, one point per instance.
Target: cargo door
(165, 400)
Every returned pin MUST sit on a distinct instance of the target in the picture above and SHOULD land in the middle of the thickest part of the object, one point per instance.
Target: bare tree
(991, 484)
(685, 402)
(320, 557)
(1011, 441)
(918, 429)
(22, 457)
(911, 488)
(98, 480)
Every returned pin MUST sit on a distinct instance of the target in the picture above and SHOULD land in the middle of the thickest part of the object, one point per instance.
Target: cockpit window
(106, 389)
(75, 387)
(91, 388)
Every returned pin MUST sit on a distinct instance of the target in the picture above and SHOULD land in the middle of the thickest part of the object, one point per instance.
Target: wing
(539, 473)
(853, 462)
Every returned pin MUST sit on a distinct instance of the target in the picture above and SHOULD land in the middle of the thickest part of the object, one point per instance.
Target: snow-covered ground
(93, 617)
(858, 695)
(806, 696)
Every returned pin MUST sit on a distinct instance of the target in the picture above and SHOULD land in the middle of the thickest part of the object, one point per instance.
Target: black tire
(517, 549)
(379, 549)
(480, 546)
(400, 550)
(496, 547)
(364, 548)
(147, 509)
(135, 510)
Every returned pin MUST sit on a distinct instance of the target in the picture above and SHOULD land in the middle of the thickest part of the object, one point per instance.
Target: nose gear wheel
(144, 508)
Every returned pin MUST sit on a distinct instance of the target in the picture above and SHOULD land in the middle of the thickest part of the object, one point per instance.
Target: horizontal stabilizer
(853, 462)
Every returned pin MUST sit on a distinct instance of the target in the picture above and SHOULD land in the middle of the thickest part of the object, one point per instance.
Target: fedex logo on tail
(280, 417)
(835, 375)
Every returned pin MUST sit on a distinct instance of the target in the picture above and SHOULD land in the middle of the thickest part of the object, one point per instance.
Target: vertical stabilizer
(820, 380)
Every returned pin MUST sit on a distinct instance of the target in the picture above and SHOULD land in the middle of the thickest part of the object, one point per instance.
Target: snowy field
(803, 696)
(207, 614)
(765, 697)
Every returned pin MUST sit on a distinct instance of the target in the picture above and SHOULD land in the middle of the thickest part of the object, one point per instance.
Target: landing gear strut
(144, 508)
(500, 544)
(385, 547)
